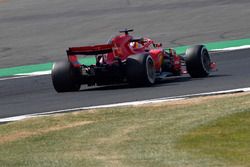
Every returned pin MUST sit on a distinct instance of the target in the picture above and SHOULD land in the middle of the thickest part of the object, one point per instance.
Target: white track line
(233, 48)
(26, 75)
(133, 103)
(37, 73)
(10, 78)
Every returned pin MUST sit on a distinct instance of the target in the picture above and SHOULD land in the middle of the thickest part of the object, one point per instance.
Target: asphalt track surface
(36, 94)
(40, 31)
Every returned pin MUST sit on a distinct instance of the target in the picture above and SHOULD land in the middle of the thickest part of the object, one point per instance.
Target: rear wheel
(140, 70)
(198, 61)
(65, 77)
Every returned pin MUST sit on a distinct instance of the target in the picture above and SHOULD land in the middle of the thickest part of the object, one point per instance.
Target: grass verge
(226, 138)
(196, 132)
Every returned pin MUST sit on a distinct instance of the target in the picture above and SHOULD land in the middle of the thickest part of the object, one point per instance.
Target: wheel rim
(150, 70)
(205, 60)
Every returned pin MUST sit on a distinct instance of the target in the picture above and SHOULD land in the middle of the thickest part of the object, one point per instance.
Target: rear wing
(90, 50)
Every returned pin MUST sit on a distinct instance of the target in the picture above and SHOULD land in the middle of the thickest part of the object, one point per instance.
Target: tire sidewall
(198, 61)
(150, 70)
(140, 70)
(65, 77)
(205, 55)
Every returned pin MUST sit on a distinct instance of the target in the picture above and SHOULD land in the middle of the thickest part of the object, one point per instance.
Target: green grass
(197, 132)
(226, 138)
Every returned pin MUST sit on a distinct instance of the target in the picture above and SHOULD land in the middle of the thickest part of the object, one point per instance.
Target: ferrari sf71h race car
(125, 59)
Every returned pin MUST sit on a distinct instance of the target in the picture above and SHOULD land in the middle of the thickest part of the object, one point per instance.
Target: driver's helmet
(135, 45)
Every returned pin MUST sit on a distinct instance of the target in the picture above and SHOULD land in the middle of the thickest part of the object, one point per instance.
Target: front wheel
(65, 77)
(140, 70)
(198, 61)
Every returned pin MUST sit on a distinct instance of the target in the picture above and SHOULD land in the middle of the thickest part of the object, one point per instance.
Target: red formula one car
(125, 59)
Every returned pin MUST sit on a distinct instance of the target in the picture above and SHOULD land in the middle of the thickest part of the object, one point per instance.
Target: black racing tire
(65, 77)
(140, 70)
(198, 61)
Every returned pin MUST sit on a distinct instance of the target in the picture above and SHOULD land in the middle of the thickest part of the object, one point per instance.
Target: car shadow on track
(162, 83)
